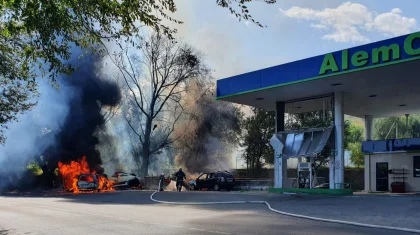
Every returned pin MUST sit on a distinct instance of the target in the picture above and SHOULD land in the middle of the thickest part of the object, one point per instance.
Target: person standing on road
(161, 181)
(180, 177)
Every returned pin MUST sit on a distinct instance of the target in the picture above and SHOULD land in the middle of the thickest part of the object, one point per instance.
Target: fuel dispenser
(305, 174)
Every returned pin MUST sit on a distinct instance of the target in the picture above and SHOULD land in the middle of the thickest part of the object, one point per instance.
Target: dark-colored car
(213, 181)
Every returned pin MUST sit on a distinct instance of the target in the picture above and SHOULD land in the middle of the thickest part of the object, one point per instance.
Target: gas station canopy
(378, 79)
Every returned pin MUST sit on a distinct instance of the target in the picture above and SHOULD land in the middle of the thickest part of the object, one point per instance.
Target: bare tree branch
(156, 91)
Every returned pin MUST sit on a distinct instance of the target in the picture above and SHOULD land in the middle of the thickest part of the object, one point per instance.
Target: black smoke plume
(63, 126)
(77, 136)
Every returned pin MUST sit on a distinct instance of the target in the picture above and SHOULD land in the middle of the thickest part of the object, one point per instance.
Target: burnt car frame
(125, 180)
(91, 182)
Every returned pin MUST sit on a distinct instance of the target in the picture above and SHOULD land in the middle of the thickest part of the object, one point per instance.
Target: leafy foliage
(258, 130)
(352, 133)
(397, 127)
(243, 11)
(16, 86)
(357, 156)
(353, 137)
(309, 120)
(50, 28)
(40, 34)
(35, 168)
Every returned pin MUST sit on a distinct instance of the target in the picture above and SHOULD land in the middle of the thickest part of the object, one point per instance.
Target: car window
(86, 178)
(82, 178)
(228, 174)
(213, 176)
(202, 177)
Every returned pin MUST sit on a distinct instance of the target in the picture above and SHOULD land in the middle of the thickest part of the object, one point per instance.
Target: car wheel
(192, 187)
(134, 183)
(216, 187)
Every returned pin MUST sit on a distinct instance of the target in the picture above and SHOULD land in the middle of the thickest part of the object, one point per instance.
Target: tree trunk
(146, 148)
(145, 163)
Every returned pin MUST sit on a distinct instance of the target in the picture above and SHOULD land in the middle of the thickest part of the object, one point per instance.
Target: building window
(416, 166)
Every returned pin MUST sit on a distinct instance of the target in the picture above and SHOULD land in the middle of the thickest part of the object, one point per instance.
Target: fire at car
(78, 177)
(93, 182)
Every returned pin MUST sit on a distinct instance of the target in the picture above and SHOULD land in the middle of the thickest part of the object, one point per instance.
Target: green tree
(357, 156)
(259, 128)
(397, 127)
(353, 137)
(40, 34)
(352, 133)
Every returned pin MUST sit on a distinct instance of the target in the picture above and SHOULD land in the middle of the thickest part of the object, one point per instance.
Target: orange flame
(71, 172)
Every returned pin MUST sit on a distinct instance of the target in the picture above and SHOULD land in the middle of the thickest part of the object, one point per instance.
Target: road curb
(290, 214)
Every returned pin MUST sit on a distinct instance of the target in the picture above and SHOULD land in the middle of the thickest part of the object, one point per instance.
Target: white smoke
(36, 131)
(23, 137)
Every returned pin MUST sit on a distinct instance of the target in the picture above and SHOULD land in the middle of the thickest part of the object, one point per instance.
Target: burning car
(93, 182)
(125, 180)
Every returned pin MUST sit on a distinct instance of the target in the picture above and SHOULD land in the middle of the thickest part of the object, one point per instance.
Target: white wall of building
(394, 160)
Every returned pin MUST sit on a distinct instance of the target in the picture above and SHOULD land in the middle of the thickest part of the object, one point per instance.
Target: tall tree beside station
(259, 128)
(353, 137)
(41, 34)
(155, 79)
(397, 127)
(352, 133)
(357, 156)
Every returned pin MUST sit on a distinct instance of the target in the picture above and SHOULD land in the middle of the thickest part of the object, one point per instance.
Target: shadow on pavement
(131, 197)
(4, 232)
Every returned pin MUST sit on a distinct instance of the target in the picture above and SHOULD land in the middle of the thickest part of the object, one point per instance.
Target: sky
(296, 29)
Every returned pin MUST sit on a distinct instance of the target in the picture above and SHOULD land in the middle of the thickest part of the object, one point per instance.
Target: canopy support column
(338, 161)
(280, 164)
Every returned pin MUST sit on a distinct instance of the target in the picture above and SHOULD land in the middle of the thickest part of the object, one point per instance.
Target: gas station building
(369, 81)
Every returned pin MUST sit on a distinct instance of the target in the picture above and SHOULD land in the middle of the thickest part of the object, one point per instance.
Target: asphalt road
(131, 212)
